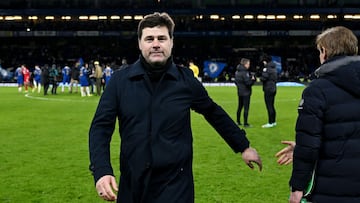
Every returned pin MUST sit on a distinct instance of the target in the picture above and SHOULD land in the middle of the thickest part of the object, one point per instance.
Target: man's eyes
(153, 38)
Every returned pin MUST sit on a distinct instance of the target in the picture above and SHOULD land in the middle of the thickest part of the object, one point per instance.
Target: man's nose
(156, 43)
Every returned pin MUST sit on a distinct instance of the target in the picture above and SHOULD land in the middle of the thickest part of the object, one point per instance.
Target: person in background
(124, 64)
(194, 68)
(107, 74)
(45, 78)
(53, 78)
(152, 100)
(19, 78)
(37, 78)
(269, 78)
(66, 76)
(74, 81)
(243, 80)
(91, 76)
(84, 80)
(98, 77)
(26, 74)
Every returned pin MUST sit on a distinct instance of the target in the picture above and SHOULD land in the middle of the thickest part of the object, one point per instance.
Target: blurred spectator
(37, 78)
(53, 78)
(19, 78)
(66, 76)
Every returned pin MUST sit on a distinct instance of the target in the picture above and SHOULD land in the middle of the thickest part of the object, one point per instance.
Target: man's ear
(322, 50)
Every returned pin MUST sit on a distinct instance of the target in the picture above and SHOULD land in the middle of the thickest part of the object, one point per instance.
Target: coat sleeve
(101, 130)
(309, 131)
(218, 118)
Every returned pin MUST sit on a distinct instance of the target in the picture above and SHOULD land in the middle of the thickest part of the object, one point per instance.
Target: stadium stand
(42, 31)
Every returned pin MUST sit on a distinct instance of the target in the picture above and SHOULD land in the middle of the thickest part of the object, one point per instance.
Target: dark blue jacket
(243, 81)
(269, 77)
(328, 133)
(156, 139)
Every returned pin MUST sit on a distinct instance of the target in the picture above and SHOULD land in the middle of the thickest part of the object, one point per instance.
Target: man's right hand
(250, 156)
(106, 186)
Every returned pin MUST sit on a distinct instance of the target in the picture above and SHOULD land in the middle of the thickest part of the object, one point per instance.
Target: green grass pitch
(44, 149)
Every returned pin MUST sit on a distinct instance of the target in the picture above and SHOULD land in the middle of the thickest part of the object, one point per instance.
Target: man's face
(322, 54)
(247, 65)
(156, 45)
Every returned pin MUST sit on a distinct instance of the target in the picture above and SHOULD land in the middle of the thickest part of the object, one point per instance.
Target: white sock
(82, 91)
(88, 90)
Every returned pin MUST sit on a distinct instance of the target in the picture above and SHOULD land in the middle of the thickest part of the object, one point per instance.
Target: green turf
(44, 149)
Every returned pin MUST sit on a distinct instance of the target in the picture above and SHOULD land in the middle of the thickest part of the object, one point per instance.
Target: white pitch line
(55, 99)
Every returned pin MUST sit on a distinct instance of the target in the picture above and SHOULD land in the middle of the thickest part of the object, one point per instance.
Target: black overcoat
(156, 139)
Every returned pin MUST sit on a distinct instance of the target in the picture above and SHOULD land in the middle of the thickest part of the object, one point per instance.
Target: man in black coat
(328, 124)
(243, 80)
(152, 99)
(269, 78)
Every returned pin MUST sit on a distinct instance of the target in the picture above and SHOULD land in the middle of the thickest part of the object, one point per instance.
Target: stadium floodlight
(270, 17)
(261, 17)
(49, 17)
(248, 17)
(93, 17)
(281, 17)
(331, 16)
(356, 17)
(115, 17)
(83, 17)
(235, 17)
(32, 17)
(65, 17)
(13, 17)
(127, 17)
(138, 17)
(315, 16)
(297, 17)
(214, 17)
(1, 18)
(102, 17)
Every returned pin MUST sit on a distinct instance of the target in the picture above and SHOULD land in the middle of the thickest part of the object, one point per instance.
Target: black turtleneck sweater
(155, 71)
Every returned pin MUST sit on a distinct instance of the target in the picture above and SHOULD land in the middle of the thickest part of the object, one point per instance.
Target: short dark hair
(243, 61)
(156, 19)
(267, 58)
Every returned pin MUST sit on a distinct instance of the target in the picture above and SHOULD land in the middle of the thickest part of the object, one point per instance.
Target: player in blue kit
(66, 71)
(19, 78)
(84, 81)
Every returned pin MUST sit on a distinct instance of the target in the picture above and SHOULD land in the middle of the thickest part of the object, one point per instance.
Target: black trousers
(243, 102)
(54, 87)
(46, 87)
(269, 102)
